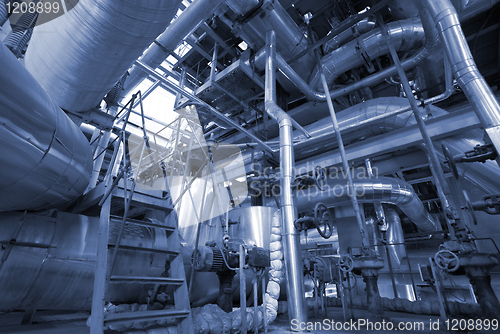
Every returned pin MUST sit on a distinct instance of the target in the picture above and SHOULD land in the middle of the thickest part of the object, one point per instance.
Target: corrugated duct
(79, 56)
(46, 160)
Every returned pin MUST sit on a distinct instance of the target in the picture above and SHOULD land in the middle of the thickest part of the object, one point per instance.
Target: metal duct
(197, 12)
(290, 39)
(462, 63)
(362, 27)
(46, 160)
(431, 46)
(406, 35)
(295, 286)
(321, 131)
(79, 56)
(368, 190)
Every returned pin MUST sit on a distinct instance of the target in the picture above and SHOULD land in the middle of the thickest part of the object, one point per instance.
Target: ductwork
(321, 131)
(362, 27)
(79, 56)
(368, 190)
(462, 63)
(406, 35)
(431, 46)
(46, 160)
(295, 286)
(167, 42)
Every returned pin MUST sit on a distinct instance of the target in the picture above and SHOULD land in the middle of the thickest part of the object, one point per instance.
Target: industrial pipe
(167, 42)
(367, 190)
(295, 286)
(462, 63)
(79, 56)
(46, 160)
(430, 47)
(406, 35)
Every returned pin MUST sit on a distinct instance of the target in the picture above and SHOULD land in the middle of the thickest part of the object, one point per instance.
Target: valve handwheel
(447, 260)
(346, 264)
(320, 177)
(323, 220)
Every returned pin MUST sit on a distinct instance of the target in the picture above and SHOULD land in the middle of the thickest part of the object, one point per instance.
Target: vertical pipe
(255, 304)
(243, 292)
(464, 68)
(264, 306)
(293, 260)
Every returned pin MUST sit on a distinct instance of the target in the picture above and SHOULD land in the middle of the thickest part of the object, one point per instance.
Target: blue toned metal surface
(79, 56)
(45, 159)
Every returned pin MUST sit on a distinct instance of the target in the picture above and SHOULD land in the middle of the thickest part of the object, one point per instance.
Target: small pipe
(243, 292)
(264, 306)
(255, 304)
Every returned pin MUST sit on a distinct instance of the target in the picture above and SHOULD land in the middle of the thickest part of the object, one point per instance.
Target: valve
(447, 260)
(320, 177)
(480, 153)
(489, 203)
(323, 220)
(346, 263)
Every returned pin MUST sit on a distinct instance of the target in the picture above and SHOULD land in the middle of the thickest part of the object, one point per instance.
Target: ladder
(181, 312)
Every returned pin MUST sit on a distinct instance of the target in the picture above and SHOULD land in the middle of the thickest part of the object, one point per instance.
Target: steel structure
(324, 137)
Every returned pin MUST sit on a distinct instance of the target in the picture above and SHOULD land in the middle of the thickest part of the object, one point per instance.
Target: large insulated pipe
(368, 190)
(295, 284)
(430, 47)
(46, 160)
(406, 35)
(198, 11)
(464, 68)
(79, 56)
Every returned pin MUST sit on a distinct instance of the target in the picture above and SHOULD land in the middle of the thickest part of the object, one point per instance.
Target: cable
(224, 258)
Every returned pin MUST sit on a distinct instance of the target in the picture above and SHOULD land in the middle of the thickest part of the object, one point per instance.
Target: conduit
(406, 35)
(382, 189)
(464, 68)
(295, 286)
(46, 160)
(430, 47)
(79, 56)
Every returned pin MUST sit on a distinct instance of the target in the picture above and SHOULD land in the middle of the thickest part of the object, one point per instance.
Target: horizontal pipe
(46, 160)
(382, 189)
(405, 35)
